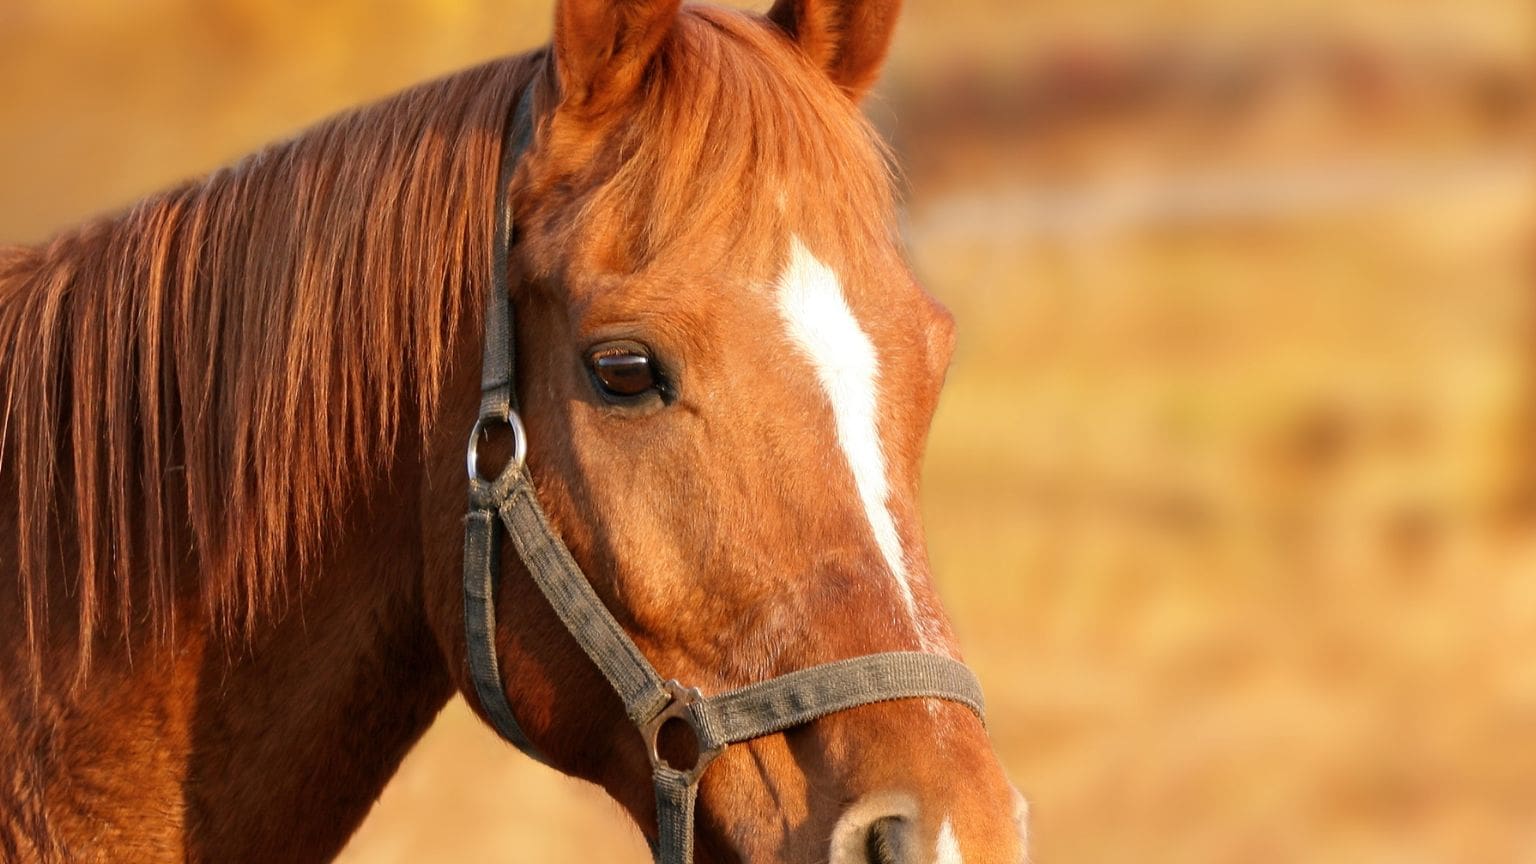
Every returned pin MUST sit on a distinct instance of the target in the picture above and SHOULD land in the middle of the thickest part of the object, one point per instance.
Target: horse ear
(602, 48)
(847, 38)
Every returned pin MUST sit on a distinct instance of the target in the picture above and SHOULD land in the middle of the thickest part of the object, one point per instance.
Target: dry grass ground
(1231, 498)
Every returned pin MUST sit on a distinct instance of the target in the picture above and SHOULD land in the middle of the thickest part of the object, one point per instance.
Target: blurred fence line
(1191, 198)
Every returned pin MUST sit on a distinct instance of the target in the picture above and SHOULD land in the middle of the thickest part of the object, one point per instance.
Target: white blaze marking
(948, 849)
(821, 325)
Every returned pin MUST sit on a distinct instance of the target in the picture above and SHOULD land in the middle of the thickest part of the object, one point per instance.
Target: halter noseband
(716, 721)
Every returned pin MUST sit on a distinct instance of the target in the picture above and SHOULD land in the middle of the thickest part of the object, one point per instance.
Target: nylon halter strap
(650, 702)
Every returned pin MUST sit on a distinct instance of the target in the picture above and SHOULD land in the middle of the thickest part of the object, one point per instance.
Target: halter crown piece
(650, 701)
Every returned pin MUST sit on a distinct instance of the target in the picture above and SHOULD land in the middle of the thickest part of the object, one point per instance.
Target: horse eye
(624, 374)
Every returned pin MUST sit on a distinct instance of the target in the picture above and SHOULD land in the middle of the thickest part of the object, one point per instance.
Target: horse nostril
(887, 841)
(877, 829)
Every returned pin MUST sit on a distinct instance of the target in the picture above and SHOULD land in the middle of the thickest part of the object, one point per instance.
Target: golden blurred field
(1232, 493)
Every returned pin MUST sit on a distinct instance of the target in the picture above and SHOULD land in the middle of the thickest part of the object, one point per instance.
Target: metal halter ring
(519, 442)
(683, 698)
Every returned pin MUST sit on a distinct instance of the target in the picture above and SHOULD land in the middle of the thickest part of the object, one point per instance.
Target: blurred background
(1232, 493)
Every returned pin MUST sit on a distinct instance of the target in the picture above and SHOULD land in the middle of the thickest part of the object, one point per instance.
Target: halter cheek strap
(650, 702)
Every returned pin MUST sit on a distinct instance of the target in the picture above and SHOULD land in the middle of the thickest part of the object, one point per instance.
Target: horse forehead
(822, 326)
(846, 296)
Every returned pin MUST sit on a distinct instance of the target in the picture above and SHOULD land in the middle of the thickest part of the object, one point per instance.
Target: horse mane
(218, 363)
(214, 368)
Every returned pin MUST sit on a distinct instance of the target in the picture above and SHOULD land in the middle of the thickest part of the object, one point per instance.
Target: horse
(232, 455)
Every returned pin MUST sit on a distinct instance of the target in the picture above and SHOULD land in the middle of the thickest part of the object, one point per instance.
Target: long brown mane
(222, 358)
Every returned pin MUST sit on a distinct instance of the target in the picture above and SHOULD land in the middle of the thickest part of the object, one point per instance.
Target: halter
(650, 701)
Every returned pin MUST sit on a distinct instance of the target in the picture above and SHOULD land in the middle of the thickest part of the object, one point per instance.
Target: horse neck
(294, 738)
(200, 748)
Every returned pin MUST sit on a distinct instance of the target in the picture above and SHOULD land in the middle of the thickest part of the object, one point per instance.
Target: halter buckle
(508, 418)
(678, 708)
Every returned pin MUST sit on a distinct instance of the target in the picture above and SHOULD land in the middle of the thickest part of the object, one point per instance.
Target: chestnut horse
(231, 456)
